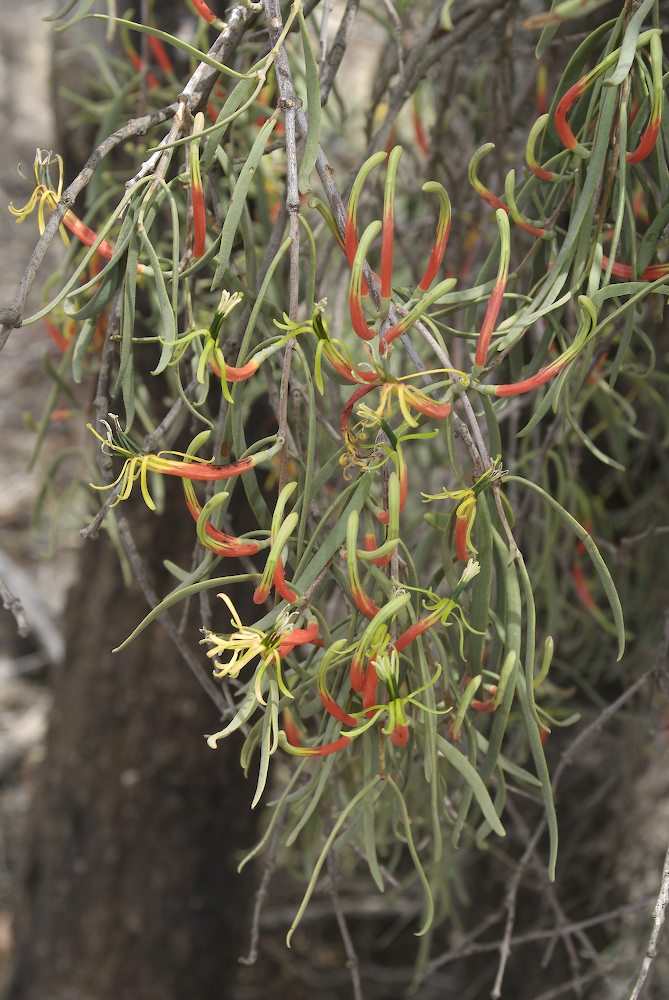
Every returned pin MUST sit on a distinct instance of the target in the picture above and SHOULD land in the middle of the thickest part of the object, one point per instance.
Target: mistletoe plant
(409, 590)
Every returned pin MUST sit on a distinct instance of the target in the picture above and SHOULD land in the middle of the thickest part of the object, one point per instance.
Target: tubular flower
(290, 742)
(418, 128)
(246, 643)
(583, 335)
(46, 196)
(208, 15)
(356, 287)
(649, 137)
(136, 60)
(196, 192)
(442, 234)
(408, 398)
(212, 355)
(363, 602)
(213, 538)
(331, 656)
(624, 271)
(567, 101)
(415, 313)
(530, 155)
(280, 532)
(511, 208)
(466, 510)
(478, 185)
(334, 350)
(138, 464)
(374, 639)
(351, 231)
(161, 56)
(497, 294)
(388, 235)
(439, 609)
(386, 668)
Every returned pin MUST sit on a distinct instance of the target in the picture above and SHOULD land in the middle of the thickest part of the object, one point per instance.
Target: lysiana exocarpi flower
(246, 643)
(138, 464)
(211, 353)
(386, 669)
(408, 397)
(196, 190)
(334, 350)
(583, 335)
(440, 609)
(465, 512)
(46, 196)
(280, 531)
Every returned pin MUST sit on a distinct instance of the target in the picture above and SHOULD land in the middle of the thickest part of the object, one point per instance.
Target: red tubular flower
(647, 141)
(649, 138)
(281, 586)
(55, 334)
(400, 736)
(497, 296)
(369, 544)
(207, 13)
(233, 374)
(290, 728)
(583, 334)
(218, 541)
(565, 104)
(369, 689)
(299, 636)
(388, 235)
(412, 633)
(160, 55)
(281, 530)
(477, 184)
(356, 673)
(530, 155)
(363, 602)
(196, 192)
(582, 588)
(460, 536)
(418, 129)
(336, 711)
(44, 195)
(624, 271)
(351, 228)
(199, 220)
(415, 313)
(534, 381)
(207, 473)
(322, 751)
(356, 289)
(441, 237)
(483, 706)
(138, 65)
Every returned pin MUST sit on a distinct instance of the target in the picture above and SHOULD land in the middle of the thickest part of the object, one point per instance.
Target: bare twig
(352, 962)
(261, 893)
(14, 606)
(659, 913)
(336, 53)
